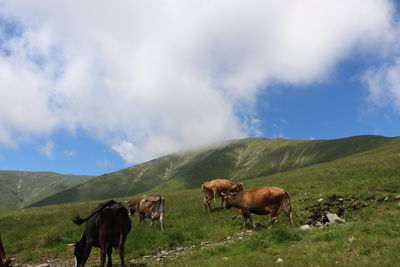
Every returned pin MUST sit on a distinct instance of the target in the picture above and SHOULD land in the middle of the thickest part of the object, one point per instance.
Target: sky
(91, 87)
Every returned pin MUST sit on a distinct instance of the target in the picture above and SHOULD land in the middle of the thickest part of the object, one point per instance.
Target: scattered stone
(319, 224)
(43, 265)
(321, 199)
(351, 239)
(165, 254)
(225, 258)
(279, 260)
(383, 199)
(305, 227)
(333, 218)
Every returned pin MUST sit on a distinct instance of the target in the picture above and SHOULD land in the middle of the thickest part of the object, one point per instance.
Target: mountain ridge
(237, 160)
(19, 189)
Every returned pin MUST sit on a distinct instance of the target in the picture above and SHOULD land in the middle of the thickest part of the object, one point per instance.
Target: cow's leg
(222, 201)
(109, 252)
(274, 218)
(161, 222)
(247, 214)
(141, 220)
(102, 256)
(207, 199)
(121, 248)
(244, 218)
(214, 195)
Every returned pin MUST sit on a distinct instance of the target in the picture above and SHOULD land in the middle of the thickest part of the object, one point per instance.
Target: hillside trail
(169, 254)
(146, 259)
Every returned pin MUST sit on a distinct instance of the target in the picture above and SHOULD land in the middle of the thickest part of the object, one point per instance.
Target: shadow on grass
(217, 209)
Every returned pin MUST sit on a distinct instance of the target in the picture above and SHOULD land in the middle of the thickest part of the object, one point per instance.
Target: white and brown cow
(260, 201)
(148, 206)
(215, 188)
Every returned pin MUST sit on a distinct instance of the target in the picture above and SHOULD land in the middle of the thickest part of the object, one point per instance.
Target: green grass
(39, 233)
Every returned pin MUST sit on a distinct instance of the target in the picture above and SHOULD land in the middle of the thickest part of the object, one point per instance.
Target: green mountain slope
(367, 180)
(19, 188)
(236, 160)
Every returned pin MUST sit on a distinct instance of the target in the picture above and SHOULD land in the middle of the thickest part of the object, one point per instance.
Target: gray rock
(319, 224)
(333, 218)
(305, 227)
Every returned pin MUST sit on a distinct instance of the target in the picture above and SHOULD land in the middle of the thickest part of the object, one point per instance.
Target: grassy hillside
(236, 160)
(19, 189)
(366, 178)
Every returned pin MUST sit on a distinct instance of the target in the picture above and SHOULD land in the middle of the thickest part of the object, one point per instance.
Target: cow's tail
(289, 204)
(160, 211)
(203, 188)
(289, 214)
(78, 220)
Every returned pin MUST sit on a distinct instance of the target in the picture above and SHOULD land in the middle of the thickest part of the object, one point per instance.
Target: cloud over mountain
(148, 79)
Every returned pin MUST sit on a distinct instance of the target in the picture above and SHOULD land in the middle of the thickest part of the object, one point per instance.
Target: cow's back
(111, 222)
(219, 185)
(260, 197)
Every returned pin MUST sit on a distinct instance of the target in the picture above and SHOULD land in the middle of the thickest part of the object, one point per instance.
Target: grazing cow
(5, 262)
(148, 206)
(106, 227)
(215, 188)
(261, 201)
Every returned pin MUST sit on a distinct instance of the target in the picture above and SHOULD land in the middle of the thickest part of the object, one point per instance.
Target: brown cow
(106, 227)
(215, 188)
(148, 206)
(5, 262)
(261, 201)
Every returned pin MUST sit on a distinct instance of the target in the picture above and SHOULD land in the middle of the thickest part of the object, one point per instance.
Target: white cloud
(151, 78)
(384, 85)
(47, 149)
(69, 153)
(104, 163)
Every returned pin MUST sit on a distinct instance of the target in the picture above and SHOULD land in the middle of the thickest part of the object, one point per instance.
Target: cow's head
(79, 253)
(132, 207)
(229, 199)
(7, 262)
(239, 187)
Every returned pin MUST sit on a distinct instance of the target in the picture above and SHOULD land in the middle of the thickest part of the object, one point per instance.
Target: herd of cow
(108, 225)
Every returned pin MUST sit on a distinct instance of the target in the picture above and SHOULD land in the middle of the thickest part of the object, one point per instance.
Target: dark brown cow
(106, 227)
(215, 188)
(148, 206)
(5, 262)
(261, 201)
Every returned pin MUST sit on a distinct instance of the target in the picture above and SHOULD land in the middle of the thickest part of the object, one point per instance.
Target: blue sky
(88, 90)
